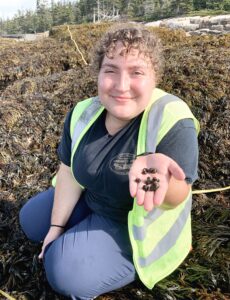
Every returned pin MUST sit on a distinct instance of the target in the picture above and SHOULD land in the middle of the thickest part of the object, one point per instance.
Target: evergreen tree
(199, 4)
(214, 4)
(2, 26)
(87, 8)
(12, 26)
(226, 5)
(44, 17)
(148, 9)
(179, 7)
(77, 13)
(136, 8)
(30, 22)
(20, 21)
(124, 7)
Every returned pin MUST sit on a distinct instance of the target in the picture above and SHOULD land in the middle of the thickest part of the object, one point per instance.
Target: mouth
(121, 98)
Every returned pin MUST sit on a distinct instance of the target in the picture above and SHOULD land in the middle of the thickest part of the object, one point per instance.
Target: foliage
(207, 12)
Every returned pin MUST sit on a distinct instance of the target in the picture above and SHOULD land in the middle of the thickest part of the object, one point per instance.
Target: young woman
(120, 209)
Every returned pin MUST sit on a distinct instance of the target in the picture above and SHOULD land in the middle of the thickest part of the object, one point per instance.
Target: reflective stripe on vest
(83, 121)
(168, 240)
(154, 120)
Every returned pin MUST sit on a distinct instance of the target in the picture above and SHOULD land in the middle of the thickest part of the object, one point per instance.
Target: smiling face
(125, 83)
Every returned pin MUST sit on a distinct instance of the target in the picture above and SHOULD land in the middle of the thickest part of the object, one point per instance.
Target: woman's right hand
(52, 235)
(66, 188)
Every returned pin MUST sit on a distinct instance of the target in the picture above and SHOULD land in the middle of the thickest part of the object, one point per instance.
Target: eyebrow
(116, 67)
(109, 65)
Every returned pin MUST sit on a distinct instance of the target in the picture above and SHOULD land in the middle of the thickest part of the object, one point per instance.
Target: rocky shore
(197, 25)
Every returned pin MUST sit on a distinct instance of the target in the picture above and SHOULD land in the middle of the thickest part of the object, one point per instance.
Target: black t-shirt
(101, 162)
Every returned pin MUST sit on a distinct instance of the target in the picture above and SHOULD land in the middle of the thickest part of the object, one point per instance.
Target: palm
(165, 166)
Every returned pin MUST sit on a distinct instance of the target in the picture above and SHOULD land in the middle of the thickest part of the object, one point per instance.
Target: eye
(138, 73)
(109, 71)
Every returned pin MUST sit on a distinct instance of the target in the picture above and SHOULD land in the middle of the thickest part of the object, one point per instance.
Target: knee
(26, 223)
(68, 275)
(34, 216)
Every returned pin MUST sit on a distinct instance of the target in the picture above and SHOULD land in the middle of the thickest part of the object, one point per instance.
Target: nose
(123, 82)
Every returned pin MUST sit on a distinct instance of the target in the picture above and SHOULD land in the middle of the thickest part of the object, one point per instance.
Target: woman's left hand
(165, 168)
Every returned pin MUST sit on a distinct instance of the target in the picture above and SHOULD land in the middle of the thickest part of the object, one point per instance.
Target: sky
(8, 8)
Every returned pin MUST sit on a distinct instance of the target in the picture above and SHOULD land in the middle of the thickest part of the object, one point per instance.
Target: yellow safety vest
(160, 239)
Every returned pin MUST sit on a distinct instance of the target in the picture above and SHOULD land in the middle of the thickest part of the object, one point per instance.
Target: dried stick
(6, 295)
(76, 45)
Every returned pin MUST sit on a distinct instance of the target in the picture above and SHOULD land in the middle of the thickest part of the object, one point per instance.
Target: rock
(198, 32)
(190, 27)
(206, 30)
(197, 25)
(215, 31)
(154, 24)
(195, 20)
(173, 25)
(217, 27)
(205, 22)
(220, 19)
(213, 22)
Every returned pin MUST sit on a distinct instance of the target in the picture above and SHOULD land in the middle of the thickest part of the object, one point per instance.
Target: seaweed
(40, 81)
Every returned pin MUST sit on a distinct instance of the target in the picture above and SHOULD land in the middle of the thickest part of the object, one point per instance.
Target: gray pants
(92, 257)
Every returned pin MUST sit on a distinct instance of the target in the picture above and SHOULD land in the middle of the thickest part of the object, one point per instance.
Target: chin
(123, 113)
(124, 117)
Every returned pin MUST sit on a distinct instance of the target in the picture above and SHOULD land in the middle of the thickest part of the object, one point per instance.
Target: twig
(211, 190)
(6, 295)
(76, 45)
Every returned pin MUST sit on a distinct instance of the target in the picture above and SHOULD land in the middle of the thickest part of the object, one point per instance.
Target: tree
(12, 26)
(213, 4)
(226, 5)
(77, 13)
(136, 8)
(106, 10)
(2, 26)
(44, 17)
(199, 4)
(148, 9)
(156, 9)
(179, 7)
(87, 9)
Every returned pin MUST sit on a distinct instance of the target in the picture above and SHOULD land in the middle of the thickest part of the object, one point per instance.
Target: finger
(132, 186)
(159, 196)
(140, 196)
(40, 256)
(148, 202)
(176, 170)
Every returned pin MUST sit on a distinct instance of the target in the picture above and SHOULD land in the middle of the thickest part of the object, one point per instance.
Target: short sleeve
(181, 144)
(64, 148)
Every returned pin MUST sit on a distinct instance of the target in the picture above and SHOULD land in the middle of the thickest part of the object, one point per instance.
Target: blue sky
(8, 8)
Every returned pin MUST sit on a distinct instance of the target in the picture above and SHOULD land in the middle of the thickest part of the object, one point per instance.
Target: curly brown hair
(132, 36)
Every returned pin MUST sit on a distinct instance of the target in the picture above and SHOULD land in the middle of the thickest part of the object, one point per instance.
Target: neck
(113, 125)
